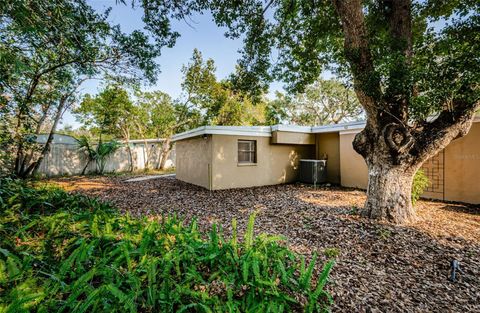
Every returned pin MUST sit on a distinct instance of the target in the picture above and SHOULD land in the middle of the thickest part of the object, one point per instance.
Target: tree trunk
(394, 144)
(146, 155)
(21, 118)
(33, 168)
(165, 152)
(130, 154)
(165, 155)
(27, 161)
(391, 168)
(389, 193)
(126, 137)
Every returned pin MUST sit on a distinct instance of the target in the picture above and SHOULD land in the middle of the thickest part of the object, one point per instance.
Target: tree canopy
(110, 112)
(218, 102)
(323, 102)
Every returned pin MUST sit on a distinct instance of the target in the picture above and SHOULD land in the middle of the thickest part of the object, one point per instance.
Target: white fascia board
(354, 131)
(151, 140)
(256, 131)
(338, 127)
(266, 131)
(189, 133)
(292, 128)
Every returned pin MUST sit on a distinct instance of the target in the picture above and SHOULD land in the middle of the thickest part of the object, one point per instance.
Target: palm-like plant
(85, 146)
(99, 153)
(104, 150)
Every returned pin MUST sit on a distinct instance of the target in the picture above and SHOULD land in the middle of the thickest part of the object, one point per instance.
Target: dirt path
(380, 267)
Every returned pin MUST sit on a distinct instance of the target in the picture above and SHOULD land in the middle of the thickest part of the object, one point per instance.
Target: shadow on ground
(380, 267)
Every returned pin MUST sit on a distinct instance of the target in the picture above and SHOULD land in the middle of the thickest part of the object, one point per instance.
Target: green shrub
(420, 183)
(71, 253)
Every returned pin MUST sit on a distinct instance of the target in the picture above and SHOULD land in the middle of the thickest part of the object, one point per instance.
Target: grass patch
(70, 253)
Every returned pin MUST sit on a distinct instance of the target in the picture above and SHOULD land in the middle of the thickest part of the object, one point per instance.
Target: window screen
(247, 151)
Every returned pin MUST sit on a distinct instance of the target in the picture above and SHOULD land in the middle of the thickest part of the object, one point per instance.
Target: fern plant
(70, 253)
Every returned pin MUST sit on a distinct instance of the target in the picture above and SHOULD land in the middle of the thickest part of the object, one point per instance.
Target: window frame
(252, 151)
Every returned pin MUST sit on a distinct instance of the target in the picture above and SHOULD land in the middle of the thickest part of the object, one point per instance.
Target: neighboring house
(222, 157)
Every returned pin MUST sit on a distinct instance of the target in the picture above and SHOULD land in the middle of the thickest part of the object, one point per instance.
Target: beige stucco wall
(276, 164)
(462, 167)
(193, 160)
(329, 144)
(353, 169)
(295, 138)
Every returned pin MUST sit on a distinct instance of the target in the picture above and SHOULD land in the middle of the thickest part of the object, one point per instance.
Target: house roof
(57, 138)
(266, 131)
(338, 127)
(260, 131)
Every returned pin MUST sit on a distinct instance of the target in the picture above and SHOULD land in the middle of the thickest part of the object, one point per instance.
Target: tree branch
(449, 125)
(399, 16)
(357, 52)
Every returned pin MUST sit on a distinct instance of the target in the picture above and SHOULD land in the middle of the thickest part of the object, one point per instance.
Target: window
(247, 151)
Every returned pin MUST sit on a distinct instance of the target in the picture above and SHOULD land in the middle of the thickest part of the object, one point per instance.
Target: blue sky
(200, 32)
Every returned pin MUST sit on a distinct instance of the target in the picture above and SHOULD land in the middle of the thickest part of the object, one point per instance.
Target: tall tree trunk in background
(126, 137)
(147, 153)
(393, 148)
(165, 151)
(21, 118)
(26, 162)
(33, 168)
(130, 154)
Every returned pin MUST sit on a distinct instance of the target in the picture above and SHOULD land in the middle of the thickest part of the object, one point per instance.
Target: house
(223, 157)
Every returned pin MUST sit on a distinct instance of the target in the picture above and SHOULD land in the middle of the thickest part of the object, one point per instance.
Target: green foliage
(384, 233)
(71, 253)
(98, 153)
(110, 112)
(354, 210)
(161, 116)
(218, 102)
(321, 103)
(331, 253)
(420, 183)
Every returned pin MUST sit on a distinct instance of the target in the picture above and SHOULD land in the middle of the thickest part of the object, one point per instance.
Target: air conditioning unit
(313, 171)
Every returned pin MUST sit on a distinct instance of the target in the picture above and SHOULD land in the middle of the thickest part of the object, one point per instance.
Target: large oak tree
(414, 65)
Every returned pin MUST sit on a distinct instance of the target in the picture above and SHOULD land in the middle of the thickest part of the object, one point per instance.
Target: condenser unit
(313, 171)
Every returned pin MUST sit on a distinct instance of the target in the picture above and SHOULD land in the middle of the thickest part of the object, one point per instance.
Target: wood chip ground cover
(379, 267)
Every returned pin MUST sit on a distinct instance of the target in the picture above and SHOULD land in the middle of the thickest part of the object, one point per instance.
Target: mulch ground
(380, 267)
